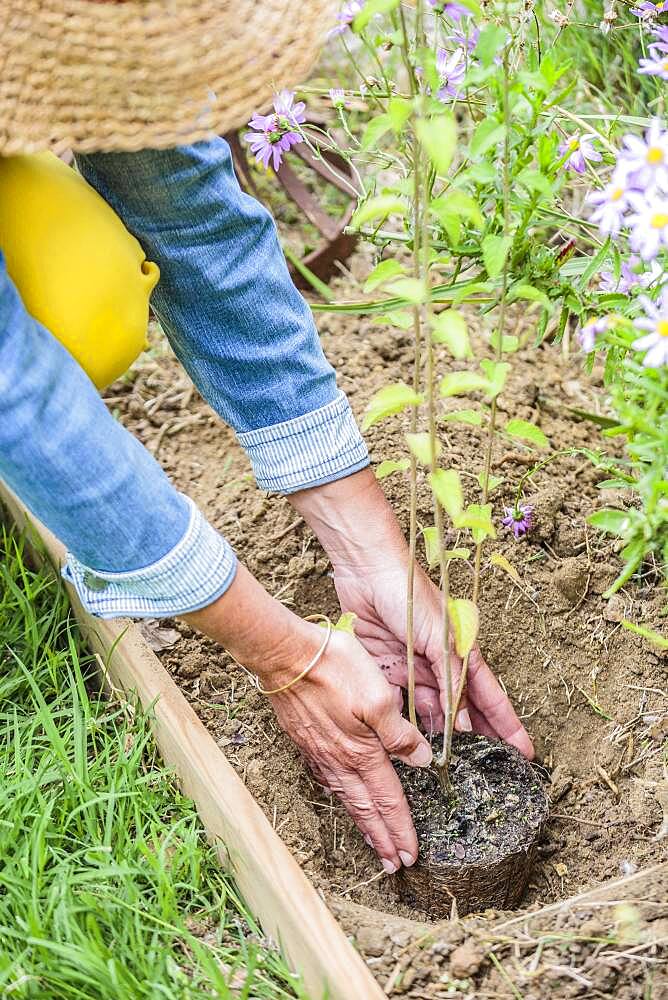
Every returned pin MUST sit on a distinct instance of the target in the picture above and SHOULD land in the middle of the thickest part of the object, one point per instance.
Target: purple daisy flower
(647, 10)
(657, 64)
(451, 69)
(580, 150)
(590, 331)
(655, 326)
(610, 205)
(468, 39)
(275, 134)
(519, 518)
(631, 276)
(346, 16)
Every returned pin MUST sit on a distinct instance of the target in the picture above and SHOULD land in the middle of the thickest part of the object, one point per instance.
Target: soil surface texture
(592, 695)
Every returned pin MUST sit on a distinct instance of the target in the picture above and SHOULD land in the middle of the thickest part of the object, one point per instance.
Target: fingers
(429, 709)
(369, 817)
(492, 703)
(397, 735)
(382, 784)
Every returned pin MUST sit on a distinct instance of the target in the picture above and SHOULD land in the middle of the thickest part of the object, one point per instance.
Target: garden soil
(592, 695)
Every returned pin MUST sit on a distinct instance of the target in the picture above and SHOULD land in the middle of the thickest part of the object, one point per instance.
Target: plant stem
(417, 369)
(491, 427)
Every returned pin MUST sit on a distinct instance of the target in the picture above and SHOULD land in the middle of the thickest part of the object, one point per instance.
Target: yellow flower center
(654, 155)
(659, 220)
(616, 194)
(574, 144)
(662, 327)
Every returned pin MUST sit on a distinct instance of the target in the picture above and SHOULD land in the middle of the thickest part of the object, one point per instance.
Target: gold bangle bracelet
(304, 672)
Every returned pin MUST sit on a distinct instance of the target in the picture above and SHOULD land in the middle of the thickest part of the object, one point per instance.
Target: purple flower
(647, 11)
(589, 332)
(467, 39)
(455, 11)
(655, 321)
(451, 69)
(630, 277)
(644, 162)
(661, 34)
(275, 134)
(611, 204)
(579, 150)
(649, 225)
(337, 97)
(346, 16)
(519, 518)
(656, 65)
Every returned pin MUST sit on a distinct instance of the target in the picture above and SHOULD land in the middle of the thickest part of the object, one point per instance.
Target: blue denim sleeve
(231, 312)
(137, 546)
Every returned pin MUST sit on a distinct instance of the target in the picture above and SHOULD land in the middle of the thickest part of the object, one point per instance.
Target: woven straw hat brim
(102, 75)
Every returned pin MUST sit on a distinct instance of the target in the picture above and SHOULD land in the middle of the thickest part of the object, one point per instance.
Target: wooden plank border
(272, 883)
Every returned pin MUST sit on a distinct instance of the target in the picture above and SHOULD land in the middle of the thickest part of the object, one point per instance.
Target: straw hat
(131, 74)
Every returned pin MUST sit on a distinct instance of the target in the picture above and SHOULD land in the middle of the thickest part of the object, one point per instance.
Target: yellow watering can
(78, 269)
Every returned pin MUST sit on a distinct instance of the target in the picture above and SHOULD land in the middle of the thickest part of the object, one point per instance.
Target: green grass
(107, 886)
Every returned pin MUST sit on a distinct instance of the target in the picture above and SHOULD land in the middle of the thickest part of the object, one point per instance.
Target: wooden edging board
(272, 883)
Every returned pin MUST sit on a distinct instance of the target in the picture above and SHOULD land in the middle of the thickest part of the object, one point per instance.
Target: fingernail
(422, 756)
(463, 721)
(406, 858)
(389, 867)
(368, 840)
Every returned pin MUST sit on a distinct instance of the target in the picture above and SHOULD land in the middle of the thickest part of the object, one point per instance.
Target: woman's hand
(346, 719)
(363, 539)
(379, 601)
(343, 715)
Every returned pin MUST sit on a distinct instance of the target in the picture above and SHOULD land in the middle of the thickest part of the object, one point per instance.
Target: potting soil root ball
(478, 850)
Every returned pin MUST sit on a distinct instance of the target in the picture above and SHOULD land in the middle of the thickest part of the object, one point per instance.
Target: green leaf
(615, 522)
(458, 204)
(464, 417)
(439, 137)
(509, 342)
(530, 293)
(460, 383)
(492, 39)
(492, 481)
(494, 252)
(401, 318)
(534, 181)
(430, 536)
(447, 488)
(390, 465)
(449, 328)
(375, 130)
(420, 446)
(647, 633)
(498, 560)
(414, 290)
(370, 9)
(497, 373)
(464, 621)
(525, 431)
(385, 271)
(399, 111)
(457, 554)
(388, 400)
(478, 519)
(488, 133)
(378, 208)
(346, 622)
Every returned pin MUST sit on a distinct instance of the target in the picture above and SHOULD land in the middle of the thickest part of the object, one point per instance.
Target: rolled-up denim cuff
(192, 575)
(310, 450)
